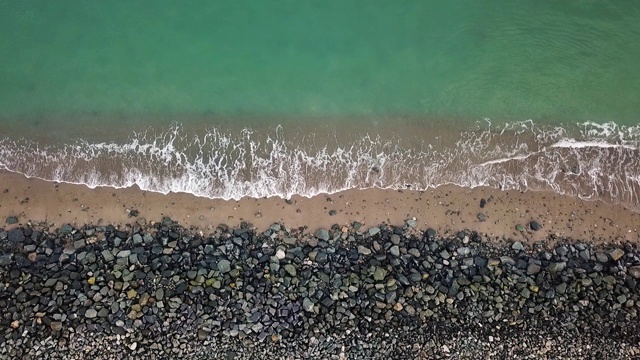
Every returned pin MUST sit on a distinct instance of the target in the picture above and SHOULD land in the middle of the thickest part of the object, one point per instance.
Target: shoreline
(447, 209)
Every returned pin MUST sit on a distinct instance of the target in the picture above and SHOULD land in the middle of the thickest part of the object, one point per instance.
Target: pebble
(224, 266)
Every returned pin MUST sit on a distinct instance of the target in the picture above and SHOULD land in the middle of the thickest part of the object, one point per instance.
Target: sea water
(227, 99)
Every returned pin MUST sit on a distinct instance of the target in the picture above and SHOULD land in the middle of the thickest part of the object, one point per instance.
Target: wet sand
(447, 209)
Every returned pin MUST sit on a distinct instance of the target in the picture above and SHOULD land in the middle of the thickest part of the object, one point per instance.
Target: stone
(12, 220)
(534, 225)
(56, 326)
(394, 250)
(280, 254)
(107, 255)
(322, 234)
(6, 259)
(556, 267)
(379, 274)
(224, 266)
(601, 257)
(414, 252)
(307, 304)
(332, 212)
(431, 233)
(533, 269)
(374, 231)
(364, 250)
(482, 217)
(634, 271)
(517, 246)
(90, 313)
(616, 254)
(132, 294)
(290, 269)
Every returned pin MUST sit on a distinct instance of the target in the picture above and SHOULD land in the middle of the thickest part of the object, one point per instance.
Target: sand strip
(447, 209)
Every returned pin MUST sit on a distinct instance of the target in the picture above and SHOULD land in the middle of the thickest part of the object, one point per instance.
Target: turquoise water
(420, 78)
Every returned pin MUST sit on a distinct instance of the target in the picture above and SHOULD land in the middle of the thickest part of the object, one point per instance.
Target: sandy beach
(447, 209)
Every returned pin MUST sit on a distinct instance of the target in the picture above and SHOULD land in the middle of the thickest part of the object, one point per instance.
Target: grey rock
(517, 246)
(107, 255)
(123, 253)
(6, 259)
(137, 239)
(463, 251)
(634, 271)
(364, 250)
(374, 231)
(224, 266)
(533, 269)
(414, 252)
(602, 257)
(307, 304)
(482, 217)
(290, 269)
(90, 313)
(556, 267)
(79, 244)
(12, 220)
(431, 233)
(395, 239)
(322, 234)
(561, 288)
(394, 250)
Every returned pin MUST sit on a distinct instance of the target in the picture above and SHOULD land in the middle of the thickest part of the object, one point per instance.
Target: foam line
(586, 160)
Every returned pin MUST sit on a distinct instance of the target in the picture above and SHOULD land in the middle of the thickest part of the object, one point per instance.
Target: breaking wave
(586, 160)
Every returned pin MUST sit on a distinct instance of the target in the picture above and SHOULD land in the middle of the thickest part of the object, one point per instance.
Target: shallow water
(231, 99)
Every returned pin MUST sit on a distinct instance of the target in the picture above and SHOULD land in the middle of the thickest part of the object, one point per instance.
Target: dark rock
(12, 220)
(16, 235)
(534, 225)
(6, 259)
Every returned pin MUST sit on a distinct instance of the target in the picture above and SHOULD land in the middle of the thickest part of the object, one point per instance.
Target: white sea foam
(588, 160)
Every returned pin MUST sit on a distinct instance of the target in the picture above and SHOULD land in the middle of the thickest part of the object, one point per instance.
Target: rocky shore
(160, 291)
